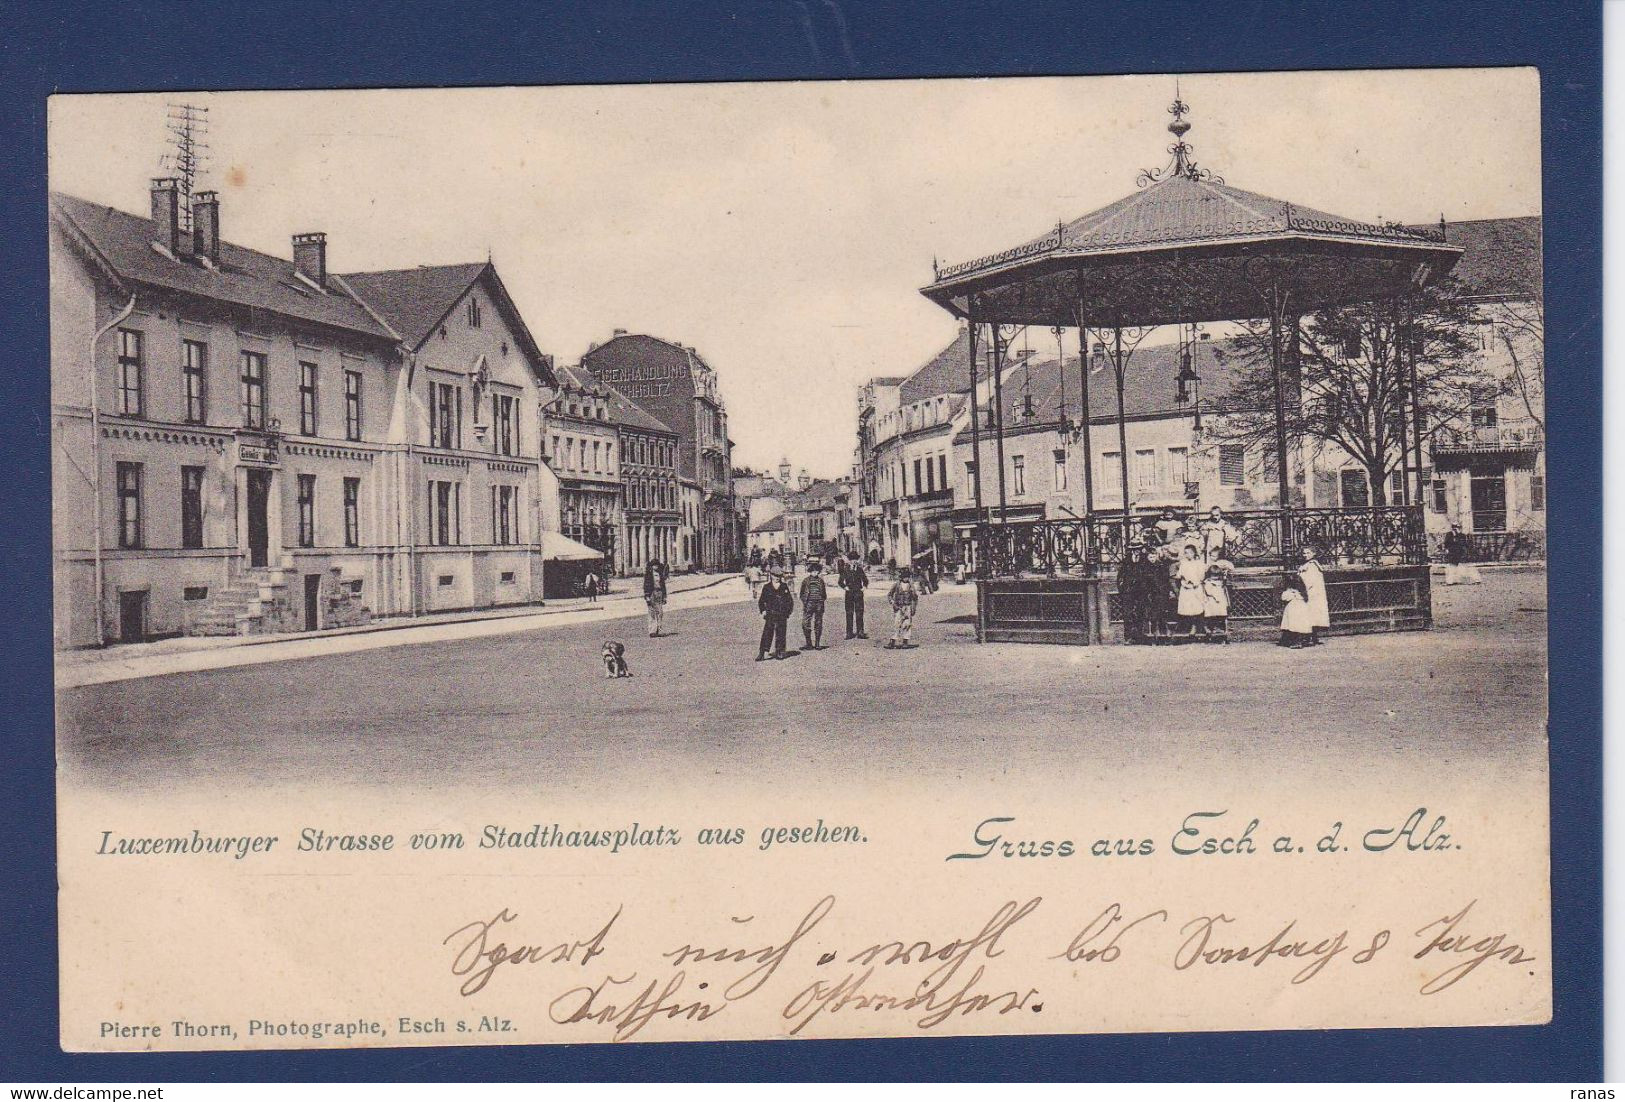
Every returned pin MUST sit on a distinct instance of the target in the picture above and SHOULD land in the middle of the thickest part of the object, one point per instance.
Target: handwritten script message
(922, 979)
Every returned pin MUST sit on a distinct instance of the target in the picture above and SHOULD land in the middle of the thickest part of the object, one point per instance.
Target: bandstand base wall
(1082, 611)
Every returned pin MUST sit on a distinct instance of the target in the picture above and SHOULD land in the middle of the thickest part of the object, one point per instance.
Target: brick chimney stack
(166, 212)
(206, 226)
(310, 257)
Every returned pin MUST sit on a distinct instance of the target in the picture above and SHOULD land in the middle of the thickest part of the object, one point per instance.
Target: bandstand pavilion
(1185, 249)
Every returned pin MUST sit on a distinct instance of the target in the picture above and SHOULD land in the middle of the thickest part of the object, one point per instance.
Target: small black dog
(615, 660)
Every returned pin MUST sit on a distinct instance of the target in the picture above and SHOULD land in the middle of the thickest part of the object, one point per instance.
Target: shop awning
(561, 548)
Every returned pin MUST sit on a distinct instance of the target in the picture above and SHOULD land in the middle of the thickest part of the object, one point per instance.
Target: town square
(1196, 415)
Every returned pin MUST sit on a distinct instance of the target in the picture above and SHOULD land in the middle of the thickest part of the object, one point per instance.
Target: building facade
(675, 385)
(909, 429)
(242, 441)
(649, 485)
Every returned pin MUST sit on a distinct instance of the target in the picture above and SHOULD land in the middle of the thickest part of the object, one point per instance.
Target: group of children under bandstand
(1173, 585)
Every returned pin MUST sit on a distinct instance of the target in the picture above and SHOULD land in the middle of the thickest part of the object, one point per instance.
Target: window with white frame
(129, 372)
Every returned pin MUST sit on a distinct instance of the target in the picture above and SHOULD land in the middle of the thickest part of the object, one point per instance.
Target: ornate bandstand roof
(1188, 247)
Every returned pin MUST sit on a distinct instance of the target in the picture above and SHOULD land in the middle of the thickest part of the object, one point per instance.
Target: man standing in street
(854, 581)
(814, 593)
(776, 604)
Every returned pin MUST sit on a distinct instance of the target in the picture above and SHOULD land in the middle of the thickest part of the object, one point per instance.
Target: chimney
(206, 226)
(310, 257)
(166, 212)
(618, 333)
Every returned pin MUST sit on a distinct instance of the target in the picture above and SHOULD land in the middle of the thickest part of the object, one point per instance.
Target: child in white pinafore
(1314, 595)
(1297, 625)
(1189, 576)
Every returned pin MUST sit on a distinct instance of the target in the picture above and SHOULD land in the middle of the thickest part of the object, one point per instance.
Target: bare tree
(1521, 326)
(1350, 383)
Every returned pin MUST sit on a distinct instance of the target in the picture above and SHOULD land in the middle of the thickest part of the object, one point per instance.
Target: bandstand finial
(1183, 164)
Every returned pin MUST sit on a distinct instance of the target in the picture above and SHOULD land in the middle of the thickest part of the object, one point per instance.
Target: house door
(1489, 503)
(259, 528)
(313, 600)
(132, 617)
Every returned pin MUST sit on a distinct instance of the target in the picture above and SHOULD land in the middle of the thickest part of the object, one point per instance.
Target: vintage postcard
(800, 560)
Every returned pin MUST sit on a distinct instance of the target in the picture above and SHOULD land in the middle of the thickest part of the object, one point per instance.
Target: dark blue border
(289, 43)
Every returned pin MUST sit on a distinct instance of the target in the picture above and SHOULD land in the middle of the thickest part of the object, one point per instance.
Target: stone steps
(239, 609)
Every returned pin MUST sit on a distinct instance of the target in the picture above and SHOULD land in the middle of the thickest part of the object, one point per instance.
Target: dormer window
(473, 313)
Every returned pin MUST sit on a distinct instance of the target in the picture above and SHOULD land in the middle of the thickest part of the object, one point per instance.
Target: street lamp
(1188, 383)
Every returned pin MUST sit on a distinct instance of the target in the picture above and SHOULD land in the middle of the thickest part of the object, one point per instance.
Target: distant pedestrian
(654, 596)
(854, 582)
(753, 578)
(1314, 591)
(592, 588)
(775, 604)
(904, 599)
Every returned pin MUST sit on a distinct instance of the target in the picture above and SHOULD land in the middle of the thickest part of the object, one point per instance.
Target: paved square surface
(532, 707)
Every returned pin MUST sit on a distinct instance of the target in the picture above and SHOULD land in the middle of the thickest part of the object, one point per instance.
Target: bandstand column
(1083, 418)
(1282, 477)
(975, 427)
(1416, 396)
(1122, 424)
(998, 410)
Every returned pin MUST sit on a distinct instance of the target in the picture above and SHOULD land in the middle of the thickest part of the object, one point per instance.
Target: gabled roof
(1148, 388)
(771, 524)
(579, 378)
(822, 494)
(415, 301)
(124, 246)
(948, 372)
(622, 410)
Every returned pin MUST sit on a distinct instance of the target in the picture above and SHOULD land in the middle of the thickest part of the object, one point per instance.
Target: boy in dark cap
(814, 593)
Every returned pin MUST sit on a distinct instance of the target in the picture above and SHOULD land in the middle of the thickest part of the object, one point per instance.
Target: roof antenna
(188, 126)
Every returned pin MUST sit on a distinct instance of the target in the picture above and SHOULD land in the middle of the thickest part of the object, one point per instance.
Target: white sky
(784, 229)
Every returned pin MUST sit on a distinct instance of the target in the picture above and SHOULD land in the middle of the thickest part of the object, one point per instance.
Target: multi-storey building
(649, 485)
(813, 519)
(757, 497)
(909, 426)
(582, 446)
(876, 399)
(676, 386)
(246, 443)
(1490, 475)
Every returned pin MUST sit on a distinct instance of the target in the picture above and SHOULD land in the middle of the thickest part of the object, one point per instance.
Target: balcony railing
(1387, 535)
